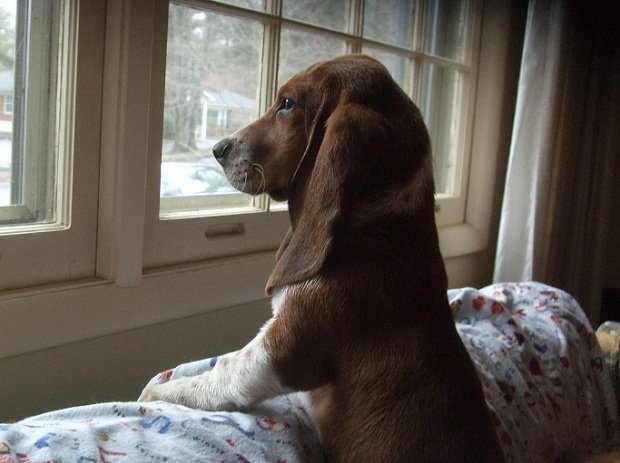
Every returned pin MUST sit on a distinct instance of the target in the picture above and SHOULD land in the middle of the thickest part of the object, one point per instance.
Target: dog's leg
(238, 380)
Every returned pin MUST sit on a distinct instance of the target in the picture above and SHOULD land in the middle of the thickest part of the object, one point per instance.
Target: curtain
(564, 151)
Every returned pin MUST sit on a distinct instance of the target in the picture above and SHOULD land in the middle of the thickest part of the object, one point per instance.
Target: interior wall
(116, 367)
(469, 271)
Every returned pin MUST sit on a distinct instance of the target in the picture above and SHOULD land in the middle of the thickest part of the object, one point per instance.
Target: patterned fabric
(542, 370)
(544, 377)
(609, 334)
(278, 431)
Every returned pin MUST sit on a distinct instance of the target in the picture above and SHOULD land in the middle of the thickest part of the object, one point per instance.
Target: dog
(360, 313)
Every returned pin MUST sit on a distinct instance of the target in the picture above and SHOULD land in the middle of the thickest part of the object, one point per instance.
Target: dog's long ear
(326, 185)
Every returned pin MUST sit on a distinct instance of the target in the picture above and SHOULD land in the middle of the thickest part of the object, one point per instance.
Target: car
(205, 176)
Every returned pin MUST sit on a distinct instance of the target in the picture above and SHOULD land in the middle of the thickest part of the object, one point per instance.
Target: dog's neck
(408, 235)
(297, 191)
(410, 238)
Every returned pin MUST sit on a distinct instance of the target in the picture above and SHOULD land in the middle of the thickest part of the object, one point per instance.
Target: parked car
(193, 178)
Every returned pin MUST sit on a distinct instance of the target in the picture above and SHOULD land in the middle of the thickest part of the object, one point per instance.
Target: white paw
(175, 391)
(193, 391)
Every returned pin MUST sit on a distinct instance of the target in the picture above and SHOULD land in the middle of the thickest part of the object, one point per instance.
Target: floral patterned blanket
(544, 378)
(542, 370)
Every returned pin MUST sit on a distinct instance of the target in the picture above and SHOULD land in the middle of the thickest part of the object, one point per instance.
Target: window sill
(91, 308)
(461, 240)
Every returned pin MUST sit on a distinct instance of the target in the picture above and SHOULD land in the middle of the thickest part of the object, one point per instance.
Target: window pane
(441, 105)
(299, 49)
(446, 26)
(389, 21)
(253, 4)
(212, 83)
(7, 85)
(330, 14)
(32, 148)
(396, 64)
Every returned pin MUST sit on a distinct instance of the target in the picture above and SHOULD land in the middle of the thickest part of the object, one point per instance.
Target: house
(220, 107)
(6, 103)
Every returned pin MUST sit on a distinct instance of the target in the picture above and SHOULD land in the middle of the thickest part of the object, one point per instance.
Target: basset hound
(360, 313)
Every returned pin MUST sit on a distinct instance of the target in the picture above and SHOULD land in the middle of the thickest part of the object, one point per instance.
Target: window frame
(45, 253)
(177, 237)
(33, 157)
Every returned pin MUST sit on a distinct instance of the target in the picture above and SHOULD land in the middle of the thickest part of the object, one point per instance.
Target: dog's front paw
(180, 391)
(194, 391)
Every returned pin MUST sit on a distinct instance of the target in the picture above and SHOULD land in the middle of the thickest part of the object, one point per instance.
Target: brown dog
(361, 316)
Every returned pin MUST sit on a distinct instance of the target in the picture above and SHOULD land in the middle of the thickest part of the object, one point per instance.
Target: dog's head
(344, 145)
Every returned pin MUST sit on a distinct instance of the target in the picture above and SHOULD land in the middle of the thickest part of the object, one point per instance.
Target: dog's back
(400, 385)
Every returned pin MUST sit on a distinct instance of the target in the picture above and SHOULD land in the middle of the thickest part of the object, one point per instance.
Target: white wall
(115, 367)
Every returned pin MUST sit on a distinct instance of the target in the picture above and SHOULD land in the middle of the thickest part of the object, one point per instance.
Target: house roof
(225, 98)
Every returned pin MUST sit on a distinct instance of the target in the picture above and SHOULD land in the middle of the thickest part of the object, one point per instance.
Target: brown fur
(365, 321)
(612, 457)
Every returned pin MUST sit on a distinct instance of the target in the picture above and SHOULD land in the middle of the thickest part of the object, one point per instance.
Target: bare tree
(203, 47)
(185, 70)
(7, 40)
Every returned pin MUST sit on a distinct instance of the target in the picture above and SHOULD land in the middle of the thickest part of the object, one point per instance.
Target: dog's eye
(286, 105)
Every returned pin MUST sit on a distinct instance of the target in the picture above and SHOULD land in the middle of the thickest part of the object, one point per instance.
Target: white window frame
(32, 157)
(43, 253)
(177, 237)
(119, 294)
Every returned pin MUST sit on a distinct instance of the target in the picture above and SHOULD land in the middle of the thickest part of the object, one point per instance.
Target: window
(32, 146)
(45, 136)
(213, 66)
(207, 69)
(216, 57)
(224, 62)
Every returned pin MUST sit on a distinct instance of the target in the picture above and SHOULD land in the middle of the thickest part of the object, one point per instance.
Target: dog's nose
(221, 148)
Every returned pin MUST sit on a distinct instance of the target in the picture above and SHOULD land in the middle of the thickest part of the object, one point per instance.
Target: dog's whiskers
(258, 168)
(245, 181)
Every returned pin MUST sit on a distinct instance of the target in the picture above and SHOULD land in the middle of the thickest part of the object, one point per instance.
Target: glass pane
(441, 105)
(6, 128)
(332, 14)
(212, 83)
(396, 64)
(253, 4)
(299, 49)
(30, 142)
(446, 26)
(389, 21)
(7, 85)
